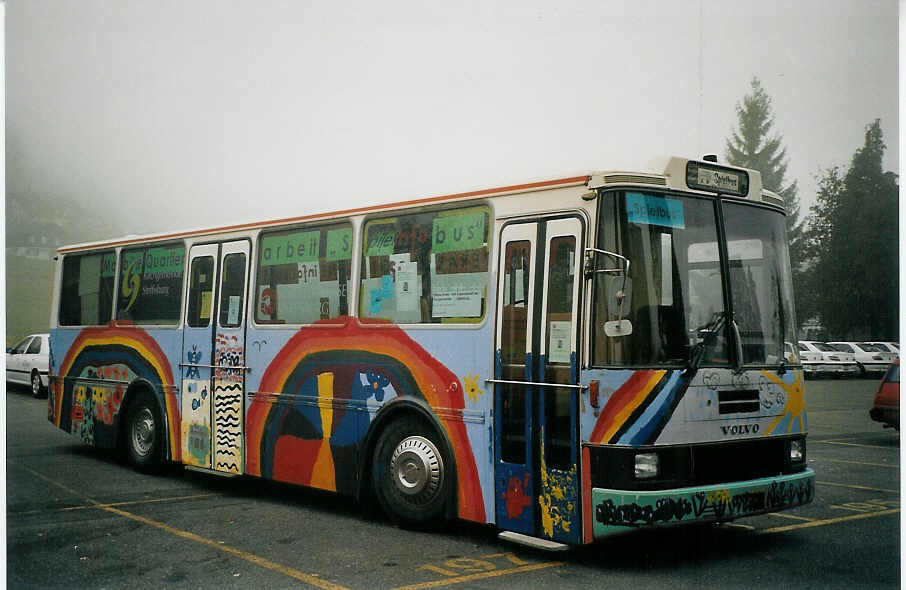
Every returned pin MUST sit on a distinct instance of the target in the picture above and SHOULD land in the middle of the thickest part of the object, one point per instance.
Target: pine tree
(753, 146)
(852, 246)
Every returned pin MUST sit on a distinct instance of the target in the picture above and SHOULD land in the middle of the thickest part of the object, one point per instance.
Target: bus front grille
(692, 465)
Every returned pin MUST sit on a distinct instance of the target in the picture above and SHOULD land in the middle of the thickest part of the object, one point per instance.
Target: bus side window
(303, 275)
(426, 268)
(201, 291)
(151, 284)
(232, 290)
(86, 298)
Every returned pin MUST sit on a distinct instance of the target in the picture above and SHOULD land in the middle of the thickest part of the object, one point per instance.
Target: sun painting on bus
(793, 417)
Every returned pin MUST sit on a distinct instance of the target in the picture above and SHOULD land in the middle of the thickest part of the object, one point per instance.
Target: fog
(171, 114)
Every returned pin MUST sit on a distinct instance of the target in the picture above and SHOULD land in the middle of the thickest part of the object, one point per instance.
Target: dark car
(886, 408)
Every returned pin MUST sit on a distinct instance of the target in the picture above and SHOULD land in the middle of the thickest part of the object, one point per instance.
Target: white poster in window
(456, 302)
(560, 342)
(233, 311)
(519, 295)
(666, 270)
(407, 287)
(398, 259)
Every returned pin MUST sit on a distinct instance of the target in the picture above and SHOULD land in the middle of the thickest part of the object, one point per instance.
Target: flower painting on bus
(314, 443)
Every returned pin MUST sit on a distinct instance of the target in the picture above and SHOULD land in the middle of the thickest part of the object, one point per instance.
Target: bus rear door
(536, 375)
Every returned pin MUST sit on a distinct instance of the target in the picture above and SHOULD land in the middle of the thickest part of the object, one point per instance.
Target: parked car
(871, 359)
(831, 361)
(27, 363)
(893, 347)
(811, 360)
(886, 407)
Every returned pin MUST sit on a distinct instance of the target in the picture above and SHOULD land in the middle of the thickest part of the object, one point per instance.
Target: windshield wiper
(782, 369)
(711, 329)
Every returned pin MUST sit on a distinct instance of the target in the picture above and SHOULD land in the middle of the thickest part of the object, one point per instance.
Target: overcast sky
(176, 114)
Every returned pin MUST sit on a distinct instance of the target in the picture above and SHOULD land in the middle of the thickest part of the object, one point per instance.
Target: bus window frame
(717, 199)
(665, 192)
(255, 266)
(373, 323)
(59, 288)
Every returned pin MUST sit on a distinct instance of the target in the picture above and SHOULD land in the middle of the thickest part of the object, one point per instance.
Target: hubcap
(143, 432)
(417, 468)
(35, 384)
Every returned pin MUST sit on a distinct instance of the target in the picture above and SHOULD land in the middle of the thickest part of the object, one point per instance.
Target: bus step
(209, 471)
(535, 542)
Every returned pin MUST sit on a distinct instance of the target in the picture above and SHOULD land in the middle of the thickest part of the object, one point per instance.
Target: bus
(563, 359)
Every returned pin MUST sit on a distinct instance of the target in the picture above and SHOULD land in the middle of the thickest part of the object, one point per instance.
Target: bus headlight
(646, 465)
(797, 450)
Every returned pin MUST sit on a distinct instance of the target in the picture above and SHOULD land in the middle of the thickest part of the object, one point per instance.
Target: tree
(851, 243)
(754, 146)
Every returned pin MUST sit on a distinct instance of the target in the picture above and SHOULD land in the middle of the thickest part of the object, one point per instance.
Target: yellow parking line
(148, 501)
(481, 576)
(855, 487)
(849, 444)
(887, 465)
(814, 523)
(791, 516)
(736, 525)
(311, 579)
(126, 503)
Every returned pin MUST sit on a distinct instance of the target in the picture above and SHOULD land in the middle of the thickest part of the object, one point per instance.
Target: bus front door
(213, 362)
(536, 374)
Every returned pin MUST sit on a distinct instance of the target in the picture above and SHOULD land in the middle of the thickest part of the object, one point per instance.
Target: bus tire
(409, 473)
(144, 434)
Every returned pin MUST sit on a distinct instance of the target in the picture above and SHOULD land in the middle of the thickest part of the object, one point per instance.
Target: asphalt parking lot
(79, 518)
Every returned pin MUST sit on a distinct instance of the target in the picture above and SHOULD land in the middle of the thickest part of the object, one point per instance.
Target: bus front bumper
(617, 510)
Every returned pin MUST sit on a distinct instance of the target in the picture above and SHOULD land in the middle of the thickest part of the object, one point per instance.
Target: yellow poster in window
(205, 305)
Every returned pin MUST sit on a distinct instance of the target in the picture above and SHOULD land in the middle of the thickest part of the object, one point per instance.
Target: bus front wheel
(408, 472)
(144, 434)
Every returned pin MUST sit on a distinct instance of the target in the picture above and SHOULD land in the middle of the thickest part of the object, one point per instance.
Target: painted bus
(563, 359)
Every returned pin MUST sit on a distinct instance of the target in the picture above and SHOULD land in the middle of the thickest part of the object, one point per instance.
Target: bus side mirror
(591, 263)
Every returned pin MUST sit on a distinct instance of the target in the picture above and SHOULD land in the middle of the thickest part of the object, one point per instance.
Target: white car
(871, 359)
(811, 360)
(829, 361)
(28, 362)
(893, 347)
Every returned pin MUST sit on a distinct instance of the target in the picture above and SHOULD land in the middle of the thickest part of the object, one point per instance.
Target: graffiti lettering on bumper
(719, 504)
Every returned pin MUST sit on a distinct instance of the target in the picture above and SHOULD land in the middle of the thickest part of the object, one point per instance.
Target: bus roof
(677, 173)
(498, 191)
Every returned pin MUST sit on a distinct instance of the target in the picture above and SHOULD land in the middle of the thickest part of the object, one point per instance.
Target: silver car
(28, 362)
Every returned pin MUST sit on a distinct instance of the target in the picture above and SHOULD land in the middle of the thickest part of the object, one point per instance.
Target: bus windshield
(673, 295)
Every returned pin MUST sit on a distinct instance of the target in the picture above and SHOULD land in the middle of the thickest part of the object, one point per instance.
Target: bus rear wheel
(408, 473)
(144, 434)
